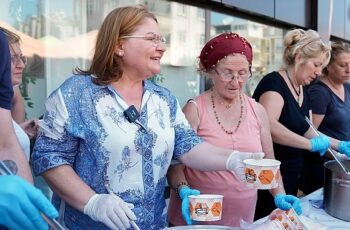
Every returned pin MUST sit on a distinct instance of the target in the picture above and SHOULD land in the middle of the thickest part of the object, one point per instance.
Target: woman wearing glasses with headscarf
(225, 117)
(109, 133)
(286, 101)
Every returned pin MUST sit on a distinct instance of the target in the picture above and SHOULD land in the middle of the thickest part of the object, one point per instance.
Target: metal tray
(202, 227)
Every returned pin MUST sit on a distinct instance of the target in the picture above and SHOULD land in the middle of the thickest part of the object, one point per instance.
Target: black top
(6, 89)
(292, 117)
(336, 121)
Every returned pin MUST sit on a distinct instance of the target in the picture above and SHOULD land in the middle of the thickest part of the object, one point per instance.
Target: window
(182, 10)
(267, 43)
(60, 35)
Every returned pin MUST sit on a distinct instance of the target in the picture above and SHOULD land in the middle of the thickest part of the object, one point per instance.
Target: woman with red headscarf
(226, 117)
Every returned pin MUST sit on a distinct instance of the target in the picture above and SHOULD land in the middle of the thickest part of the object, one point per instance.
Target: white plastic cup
(261, 173)
(206, 207)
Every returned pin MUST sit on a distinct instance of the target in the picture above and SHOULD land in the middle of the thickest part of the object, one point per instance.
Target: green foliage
(158, 78)
(26, 80)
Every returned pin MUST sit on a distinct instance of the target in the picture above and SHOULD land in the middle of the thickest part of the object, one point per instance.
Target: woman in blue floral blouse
(109, 134)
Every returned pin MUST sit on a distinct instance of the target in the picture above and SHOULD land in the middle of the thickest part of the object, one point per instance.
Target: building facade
(58, 36)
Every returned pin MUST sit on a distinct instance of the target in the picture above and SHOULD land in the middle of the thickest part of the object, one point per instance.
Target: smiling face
(141, 56)
(308, 69)
(235, 66)
(339, 69)
(17, 65)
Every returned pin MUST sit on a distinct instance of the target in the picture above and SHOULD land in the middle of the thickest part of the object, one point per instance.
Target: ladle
(329, 149)
(4, 169)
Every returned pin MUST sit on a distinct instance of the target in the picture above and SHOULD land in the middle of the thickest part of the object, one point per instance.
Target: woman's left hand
(286, 202)
(344, 148)
(30, 127)
(320, 144)
(184, 192)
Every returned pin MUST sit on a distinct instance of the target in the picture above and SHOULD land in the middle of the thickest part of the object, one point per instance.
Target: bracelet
(179, 186)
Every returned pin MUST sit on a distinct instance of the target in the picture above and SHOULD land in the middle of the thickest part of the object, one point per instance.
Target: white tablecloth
(318, 214)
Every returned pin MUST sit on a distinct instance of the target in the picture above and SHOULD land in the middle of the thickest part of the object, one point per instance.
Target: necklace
(229, 132)
(295, 91)
(227, 106)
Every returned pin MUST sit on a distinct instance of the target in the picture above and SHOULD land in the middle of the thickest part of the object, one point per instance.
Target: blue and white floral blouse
(84, 127)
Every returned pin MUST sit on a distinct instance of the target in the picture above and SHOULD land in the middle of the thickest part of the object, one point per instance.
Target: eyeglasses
(15, 59)
(240, 76)
(154, 38)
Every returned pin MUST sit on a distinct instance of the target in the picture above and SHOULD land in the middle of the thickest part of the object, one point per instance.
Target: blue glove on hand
(344, 147)
(320, 144)
(286, 202)
(20, 204)
(184, 192)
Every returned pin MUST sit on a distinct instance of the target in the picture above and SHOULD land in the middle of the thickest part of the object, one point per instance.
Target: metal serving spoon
(329, 149)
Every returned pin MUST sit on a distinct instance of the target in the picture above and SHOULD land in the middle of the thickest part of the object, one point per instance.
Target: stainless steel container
(336, 194)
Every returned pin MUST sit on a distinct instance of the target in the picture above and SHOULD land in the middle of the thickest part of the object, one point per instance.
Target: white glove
(235, 162)
(110, 210)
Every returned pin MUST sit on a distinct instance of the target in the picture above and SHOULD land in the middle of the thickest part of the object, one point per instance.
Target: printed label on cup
(206, 207)
(262, 174)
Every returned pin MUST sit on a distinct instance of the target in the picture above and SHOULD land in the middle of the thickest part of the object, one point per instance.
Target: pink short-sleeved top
(239, 201)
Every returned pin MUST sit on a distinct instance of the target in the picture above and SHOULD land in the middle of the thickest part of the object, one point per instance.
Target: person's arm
(317, 119)
(282, 201)
(273, 104)
(9, 145)
(191, 113)
(67, 189)
(176, 175)
(18, 109)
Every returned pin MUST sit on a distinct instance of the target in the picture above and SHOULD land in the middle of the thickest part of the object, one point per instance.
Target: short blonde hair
(106, 65)
(308, 43)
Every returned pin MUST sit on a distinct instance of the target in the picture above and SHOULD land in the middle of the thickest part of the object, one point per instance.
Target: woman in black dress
(287, 104)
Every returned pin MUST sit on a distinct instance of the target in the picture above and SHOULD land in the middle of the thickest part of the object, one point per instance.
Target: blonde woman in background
(330, 105)
(20, 203)
(285, 99)
(25, 130)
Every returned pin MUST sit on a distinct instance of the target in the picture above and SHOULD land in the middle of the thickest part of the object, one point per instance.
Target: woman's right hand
(110, 210)
(30, 127)
(235, 162)
(320, 144)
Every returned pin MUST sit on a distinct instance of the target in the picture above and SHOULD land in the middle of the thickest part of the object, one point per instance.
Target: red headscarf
(223, 45)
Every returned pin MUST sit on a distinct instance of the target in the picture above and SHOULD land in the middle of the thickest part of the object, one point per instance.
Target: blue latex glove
(344, 147)
(184, 192)
(320, 144)
(20, 204)
(286, 202)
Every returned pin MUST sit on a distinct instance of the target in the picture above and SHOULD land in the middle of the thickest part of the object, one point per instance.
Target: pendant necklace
(228, 131)
(227, 106)
(295, 91)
